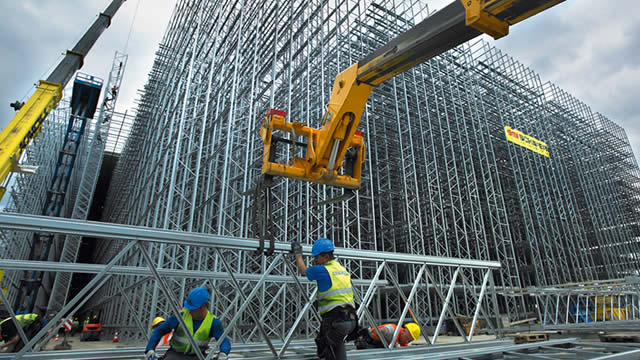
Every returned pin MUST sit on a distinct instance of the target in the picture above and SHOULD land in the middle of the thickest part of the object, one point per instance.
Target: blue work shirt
(320, 274)
(172, 323)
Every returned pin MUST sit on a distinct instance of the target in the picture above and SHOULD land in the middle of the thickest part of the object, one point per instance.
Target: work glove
(150, 355)
(222, 356)
(296, 248)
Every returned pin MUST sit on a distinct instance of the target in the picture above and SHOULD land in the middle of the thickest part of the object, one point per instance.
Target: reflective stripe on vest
(390, 329)
(180, 341)
(25, 319)
(340, 292)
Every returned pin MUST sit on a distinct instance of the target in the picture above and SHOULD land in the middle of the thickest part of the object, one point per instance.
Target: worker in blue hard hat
(335, 298)
(201, 324)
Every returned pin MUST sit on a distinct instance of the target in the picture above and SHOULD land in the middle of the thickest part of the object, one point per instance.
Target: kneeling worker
(201, 324)
(157, 322)
(30, 323)
(370, 337)
(335, 298)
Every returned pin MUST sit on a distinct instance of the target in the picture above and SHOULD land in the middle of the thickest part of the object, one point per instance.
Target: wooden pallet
(528, 337)
(621, 337)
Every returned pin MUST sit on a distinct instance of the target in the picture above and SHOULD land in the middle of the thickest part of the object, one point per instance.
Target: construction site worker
(201, 324)
(335, 298)
(370, 337)
(30, 323)
(75, 326)
(154, 324)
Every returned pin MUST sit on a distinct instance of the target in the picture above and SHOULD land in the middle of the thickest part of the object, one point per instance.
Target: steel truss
(28, 192)
(554, 349)
(87, 178)
(242, 301)
(81, 164)
(441, 181)
(594, 304)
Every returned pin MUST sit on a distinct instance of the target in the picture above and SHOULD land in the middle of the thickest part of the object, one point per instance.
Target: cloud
(35, 34)
(590, 49)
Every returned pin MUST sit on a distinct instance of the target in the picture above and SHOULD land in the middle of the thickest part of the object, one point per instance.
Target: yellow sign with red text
(526, 141)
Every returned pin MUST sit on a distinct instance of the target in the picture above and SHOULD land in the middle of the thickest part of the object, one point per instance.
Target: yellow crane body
(324, 154)
(26, 125)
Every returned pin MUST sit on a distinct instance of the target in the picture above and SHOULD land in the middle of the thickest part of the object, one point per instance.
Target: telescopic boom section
(334, 153)
(27, 123)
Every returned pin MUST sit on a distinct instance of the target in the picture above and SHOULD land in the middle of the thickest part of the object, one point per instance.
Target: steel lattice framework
(440, 181)
(441, 178)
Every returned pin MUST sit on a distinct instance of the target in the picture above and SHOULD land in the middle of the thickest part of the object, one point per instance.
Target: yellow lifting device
(27, 123)
(334, 153)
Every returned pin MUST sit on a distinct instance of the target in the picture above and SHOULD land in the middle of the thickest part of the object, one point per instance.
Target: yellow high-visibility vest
(340, 293)
(24, 319)
(180, 341)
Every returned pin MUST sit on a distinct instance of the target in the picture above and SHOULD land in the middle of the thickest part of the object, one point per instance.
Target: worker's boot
(340, 352)
(361, 343)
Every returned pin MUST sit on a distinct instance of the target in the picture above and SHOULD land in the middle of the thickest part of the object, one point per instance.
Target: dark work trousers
(364, 341)
(29, 330)
(335, 326)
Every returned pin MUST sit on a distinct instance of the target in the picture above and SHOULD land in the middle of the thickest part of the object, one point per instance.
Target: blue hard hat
(197, 297)
(322, 245)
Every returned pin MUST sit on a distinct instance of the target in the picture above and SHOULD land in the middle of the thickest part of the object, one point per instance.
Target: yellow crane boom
(27, 123)
(334, 153)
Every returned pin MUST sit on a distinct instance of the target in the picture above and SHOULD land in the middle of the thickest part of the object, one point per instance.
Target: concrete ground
(107, 343)
(246, 350)
(76, 344)
(104, 343)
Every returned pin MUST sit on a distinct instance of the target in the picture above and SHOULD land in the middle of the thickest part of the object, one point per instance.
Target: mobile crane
(335, 152)
(27, 123)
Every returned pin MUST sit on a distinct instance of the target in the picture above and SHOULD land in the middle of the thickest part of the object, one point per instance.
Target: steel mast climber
(27, 123)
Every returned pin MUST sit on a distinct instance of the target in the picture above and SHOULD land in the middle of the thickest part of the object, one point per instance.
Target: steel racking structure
(445, 196)
(441, 178)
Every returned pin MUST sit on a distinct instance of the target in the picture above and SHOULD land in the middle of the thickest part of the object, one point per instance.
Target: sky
(35, 34)
(589, 48)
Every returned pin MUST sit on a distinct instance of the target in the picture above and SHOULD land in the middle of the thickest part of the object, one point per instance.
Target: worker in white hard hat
(201, 324)
(335, 298)
(370, 337)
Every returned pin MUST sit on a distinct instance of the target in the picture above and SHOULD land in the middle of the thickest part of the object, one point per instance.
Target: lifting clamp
(261, 214)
